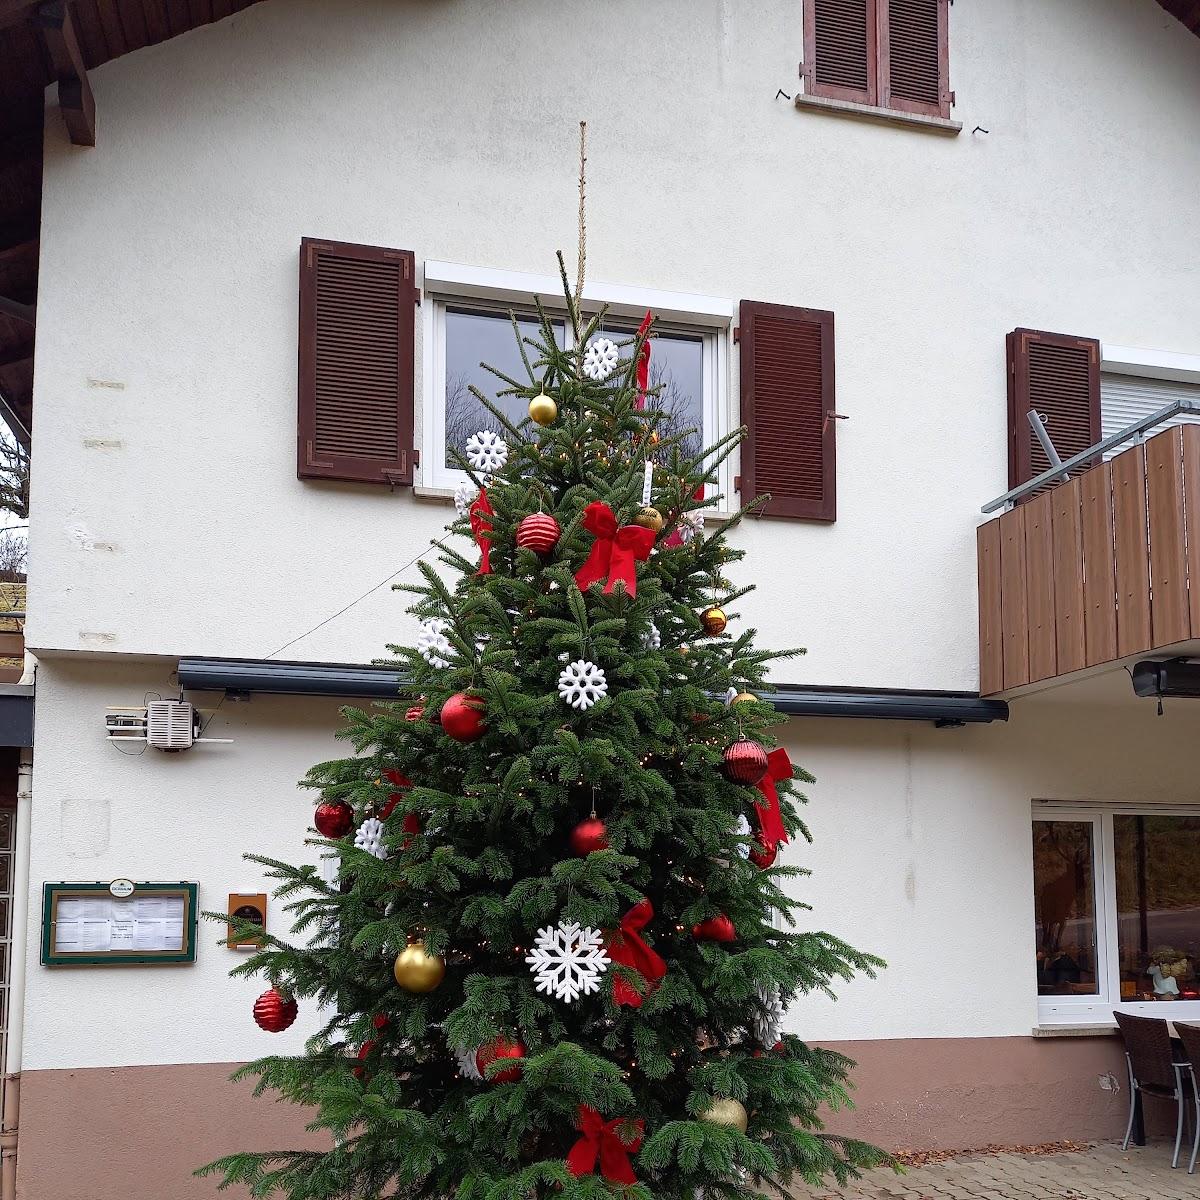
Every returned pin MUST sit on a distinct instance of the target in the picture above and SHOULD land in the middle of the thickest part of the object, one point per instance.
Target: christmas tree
(558, 952)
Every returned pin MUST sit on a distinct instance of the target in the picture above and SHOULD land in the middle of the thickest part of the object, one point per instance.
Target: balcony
(1096, 569)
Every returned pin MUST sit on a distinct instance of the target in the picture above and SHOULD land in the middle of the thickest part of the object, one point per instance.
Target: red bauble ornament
(715, 929)
(764, 852)
(500, 1048)
(538, 532)
(745, 762)
(334, 819)
(415, 713)
(589, 835)
(462, 717)
(273, 1013)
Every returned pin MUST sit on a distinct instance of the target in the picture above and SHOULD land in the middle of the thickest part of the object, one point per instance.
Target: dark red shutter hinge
(737, 483)
(737, 333)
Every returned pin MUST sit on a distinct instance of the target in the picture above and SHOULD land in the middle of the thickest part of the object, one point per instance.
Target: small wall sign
(247, 906)
(121, 888)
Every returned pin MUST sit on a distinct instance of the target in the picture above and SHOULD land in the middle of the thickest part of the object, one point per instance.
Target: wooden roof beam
(74, 91)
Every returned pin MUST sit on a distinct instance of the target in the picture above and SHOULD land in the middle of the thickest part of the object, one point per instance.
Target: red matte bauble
(715, 929)
(462, 717)
(500, 1048)
(764, 853)
(334, 819)
(273, 1013)
(589, 835)
(745, 762)
(538, 532)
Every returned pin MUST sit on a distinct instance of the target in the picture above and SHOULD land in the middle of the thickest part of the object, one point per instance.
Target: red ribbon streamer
(770, 819)
(601, 1141)
(627, 948)
(412, 823)
(643, 367)
(480, 525)
(614, 551)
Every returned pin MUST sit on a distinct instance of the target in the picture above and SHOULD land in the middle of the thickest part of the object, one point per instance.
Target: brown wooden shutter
(1059, 376)
(787, 408)
(914, 56)
(357, 317)
(840, 43)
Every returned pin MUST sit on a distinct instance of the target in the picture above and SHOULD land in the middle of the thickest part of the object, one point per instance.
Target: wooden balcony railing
(1095, 569)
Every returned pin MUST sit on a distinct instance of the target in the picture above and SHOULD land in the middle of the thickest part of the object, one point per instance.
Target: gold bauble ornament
(417, 971)
(743, 698)
(714, 620)
(649, 518)
(543, 410)
(726, 1112)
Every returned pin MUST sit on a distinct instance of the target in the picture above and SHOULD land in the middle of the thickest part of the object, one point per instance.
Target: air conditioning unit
(163, 724)
(1173, 677)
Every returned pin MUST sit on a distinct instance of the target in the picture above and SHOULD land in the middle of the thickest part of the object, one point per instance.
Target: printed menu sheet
(102, 924)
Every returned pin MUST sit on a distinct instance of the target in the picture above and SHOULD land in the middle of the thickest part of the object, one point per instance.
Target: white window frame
(455, 285)
(1098, 1009)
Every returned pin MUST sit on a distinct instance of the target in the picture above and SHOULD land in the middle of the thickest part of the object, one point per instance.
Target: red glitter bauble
(415, 713)
(715, 929)
(334, 819)
(538, 532)
(745, 762)
(764, 852)
(589, 835)
(462, 717)
(500, 1048)
(273, 1013)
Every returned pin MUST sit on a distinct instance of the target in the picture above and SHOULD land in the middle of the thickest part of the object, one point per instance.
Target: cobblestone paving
(1104, 1172)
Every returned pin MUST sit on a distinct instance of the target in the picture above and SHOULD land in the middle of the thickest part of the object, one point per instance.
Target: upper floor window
(890, 54)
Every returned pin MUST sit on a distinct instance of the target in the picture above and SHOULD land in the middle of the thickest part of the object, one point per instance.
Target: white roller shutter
(1125, 399)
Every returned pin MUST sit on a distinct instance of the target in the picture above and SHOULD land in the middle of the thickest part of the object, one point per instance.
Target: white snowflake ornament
(432, 643)
(582, 683)
(370, 837)
(691, 526)
(487, 451)
(743, 830)
(567, 960)
(652, 639)
(766, 1024)
(467, 1066)
(600, 360)
(464, 497)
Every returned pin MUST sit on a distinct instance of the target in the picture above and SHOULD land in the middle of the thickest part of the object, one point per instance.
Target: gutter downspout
(10, 1106)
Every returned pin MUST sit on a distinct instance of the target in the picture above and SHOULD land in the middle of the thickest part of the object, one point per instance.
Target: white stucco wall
(167, 516)
(922, 855)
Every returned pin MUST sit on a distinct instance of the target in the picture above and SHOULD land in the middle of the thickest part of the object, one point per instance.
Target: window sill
(444, 495)
(942, 126)
(1074, 1031)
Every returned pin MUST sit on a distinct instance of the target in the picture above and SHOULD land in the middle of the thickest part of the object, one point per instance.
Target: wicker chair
(1189, 1035)
(1153, 1070)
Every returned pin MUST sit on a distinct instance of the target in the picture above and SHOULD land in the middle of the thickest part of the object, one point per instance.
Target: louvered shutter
(914, 56)
(357, 316)
(1059, 376)
(840, 41)
(787, 407)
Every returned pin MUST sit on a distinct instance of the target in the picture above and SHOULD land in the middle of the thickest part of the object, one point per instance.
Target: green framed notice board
(118, 924)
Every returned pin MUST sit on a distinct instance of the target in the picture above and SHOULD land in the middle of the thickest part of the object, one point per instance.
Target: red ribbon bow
(627, 948)
(643, 366)
(480, 525)
(601, 1141)
(614, 551)
(770, 819)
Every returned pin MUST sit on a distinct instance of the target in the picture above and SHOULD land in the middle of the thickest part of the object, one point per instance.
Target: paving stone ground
(1102, 1172)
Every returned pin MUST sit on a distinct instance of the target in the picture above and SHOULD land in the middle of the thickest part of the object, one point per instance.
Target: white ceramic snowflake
(652, 639)
(432, 643)
(743, 830)
(767, 1022)
(582, 683)
(487, 451)
(467, 1067)
(568, 960)
(691, 525)
(731, 694)
(370, 837)
(600, 360)
(464, 497)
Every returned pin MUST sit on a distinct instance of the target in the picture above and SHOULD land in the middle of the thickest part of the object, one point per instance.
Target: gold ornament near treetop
(417, 971)
(543, 410)
(726, 1112)
(714, 620)
(649, 518)
(743, 698)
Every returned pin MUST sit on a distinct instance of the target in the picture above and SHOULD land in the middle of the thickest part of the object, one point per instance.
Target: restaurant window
(1116, 912)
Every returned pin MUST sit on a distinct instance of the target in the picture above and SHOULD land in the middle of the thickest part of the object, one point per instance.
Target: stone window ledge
(1074, 1031)
(880, 116)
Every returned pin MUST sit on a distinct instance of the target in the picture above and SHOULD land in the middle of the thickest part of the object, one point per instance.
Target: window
(467, 323)
(1116, 912)
(890, 54)
(1125, 399)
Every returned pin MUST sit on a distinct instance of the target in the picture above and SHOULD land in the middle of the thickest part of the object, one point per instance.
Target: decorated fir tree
(557, 956)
